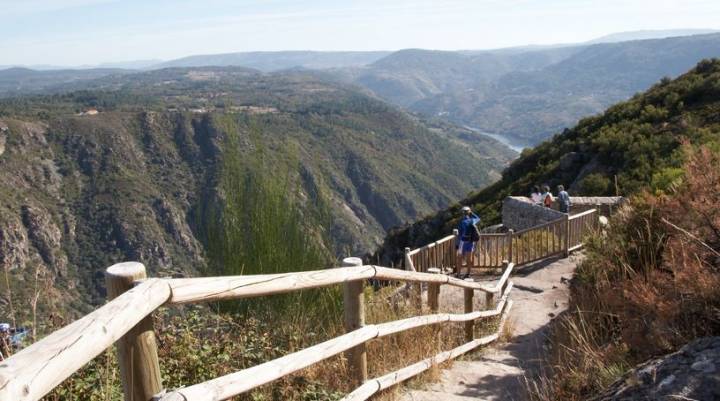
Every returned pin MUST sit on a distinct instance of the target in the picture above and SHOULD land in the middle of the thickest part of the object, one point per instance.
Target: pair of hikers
(468, 236)
(546, 198)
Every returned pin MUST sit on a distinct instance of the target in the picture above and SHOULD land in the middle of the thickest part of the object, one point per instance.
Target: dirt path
(498, 372)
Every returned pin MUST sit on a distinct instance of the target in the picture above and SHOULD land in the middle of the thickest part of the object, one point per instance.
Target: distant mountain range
(527, 96)
(280, 60)
(274, 61)
(650, 34)
(524, 94)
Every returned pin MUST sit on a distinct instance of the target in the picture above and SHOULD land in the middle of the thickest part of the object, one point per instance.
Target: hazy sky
(74, 32)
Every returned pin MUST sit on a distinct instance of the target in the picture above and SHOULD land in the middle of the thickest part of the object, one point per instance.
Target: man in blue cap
(468, 235)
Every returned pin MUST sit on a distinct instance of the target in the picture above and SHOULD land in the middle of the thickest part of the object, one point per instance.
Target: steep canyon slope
(125, 171)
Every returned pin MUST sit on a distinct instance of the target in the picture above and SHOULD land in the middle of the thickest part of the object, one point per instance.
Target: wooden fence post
(415, 288)
(470, 324)
(354, 308)
(510, 250)
(566, 251)
(489, 301)
(434, 291)
(408, 262)
(137, 350)
(458, 258)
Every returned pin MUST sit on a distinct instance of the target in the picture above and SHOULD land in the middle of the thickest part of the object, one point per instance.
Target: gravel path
(497, 372)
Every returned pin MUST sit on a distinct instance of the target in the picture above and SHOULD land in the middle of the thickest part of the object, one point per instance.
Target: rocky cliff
(692, 373)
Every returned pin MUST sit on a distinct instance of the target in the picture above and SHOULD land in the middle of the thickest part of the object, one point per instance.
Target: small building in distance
(89, 112)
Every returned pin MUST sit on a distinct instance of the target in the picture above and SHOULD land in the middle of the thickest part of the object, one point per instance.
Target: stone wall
(605, 205)
(518, 213)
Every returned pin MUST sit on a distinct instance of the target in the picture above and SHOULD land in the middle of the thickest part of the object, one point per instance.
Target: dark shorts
(467, 246)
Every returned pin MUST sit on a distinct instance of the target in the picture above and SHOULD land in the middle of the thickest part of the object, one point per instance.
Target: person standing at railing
(535, 196)
(468, 235)
(563, 199)
(547, 197)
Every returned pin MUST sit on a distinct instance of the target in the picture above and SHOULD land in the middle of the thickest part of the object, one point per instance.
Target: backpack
(548, 200)
(474, 233)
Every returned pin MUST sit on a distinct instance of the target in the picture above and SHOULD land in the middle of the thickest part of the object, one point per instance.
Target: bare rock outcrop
(693, 373)
(45, 236)
(13, 244)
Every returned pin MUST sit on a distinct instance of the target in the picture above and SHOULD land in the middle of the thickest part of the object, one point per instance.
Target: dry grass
(197, 344)
(649, 286)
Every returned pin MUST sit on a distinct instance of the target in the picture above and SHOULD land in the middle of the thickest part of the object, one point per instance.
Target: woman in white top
(535, 195)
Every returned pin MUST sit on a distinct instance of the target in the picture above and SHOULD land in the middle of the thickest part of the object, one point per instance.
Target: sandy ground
(498, 372)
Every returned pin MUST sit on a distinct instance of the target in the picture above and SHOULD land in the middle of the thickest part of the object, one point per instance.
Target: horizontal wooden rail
(37, 369)
(431, 245)
(232, 384)
(204, 289)
(192, 290)
(585, 213)
(440, 254)
(373, 386)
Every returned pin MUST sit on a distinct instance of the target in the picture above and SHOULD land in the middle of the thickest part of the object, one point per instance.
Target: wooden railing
(126, 321)
(440, 254)
(559, 237)
(578, 226)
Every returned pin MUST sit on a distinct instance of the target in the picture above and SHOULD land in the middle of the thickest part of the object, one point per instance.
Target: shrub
(649, 285)
(595, 184)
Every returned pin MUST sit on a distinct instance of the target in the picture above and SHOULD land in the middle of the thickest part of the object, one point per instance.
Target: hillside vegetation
(649, 284)
(633, 146)
(135, 180)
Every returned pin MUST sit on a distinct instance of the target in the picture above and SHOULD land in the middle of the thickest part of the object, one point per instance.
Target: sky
(87, 32)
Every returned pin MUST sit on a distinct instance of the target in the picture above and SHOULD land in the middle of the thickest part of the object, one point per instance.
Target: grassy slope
(636, 141)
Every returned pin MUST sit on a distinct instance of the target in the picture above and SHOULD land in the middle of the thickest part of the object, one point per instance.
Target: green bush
(595, 184)
(261, 228)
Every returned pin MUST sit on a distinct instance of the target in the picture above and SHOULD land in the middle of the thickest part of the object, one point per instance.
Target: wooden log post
(354, 307)
(415, 288)
(470, 324)
(458, 255)
(434, 291)
(510, 235)
(505, 265)
(408, 262)
(489, 300)
(566, 245)
(137, 350)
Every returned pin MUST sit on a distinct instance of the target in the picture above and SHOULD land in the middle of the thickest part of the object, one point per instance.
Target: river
(499, 138)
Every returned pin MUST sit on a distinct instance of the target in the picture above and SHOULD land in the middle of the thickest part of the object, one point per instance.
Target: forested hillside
(131, 171)
(633, 146)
